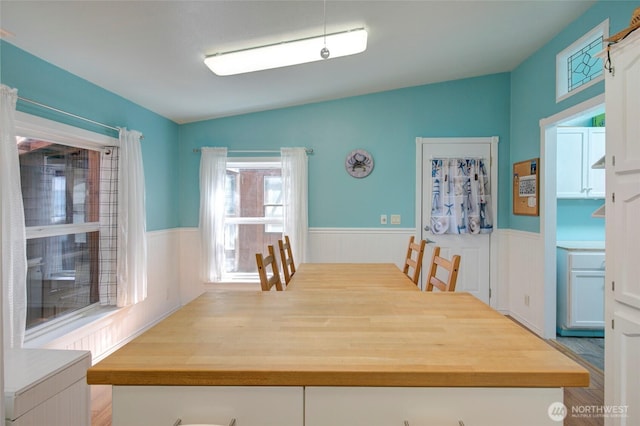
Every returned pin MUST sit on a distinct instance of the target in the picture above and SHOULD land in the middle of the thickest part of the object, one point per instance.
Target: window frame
(31, 126)
(254, 162)
(562, 73)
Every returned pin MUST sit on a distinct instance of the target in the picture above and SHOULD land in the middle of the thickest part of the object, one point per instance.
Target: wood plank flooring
(583, 397)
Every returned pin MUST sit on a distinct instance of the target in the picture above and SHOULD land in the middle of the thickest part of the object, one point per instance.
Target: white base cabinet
(46, 387)
(580, 286)
(335, 406)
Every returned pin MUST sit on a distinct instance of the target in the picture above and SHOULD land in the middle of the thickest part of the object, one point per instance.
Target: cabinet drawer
(586, 260)
(376, 406)
(249, 405)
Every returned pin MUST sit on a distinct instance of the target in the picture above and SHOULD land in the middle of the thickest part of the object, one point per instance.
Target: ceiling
(151, 52)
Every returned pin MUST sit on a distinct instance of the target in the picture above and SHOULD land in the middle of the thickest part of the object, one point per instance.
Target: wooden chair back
(286, 256)
(268, 282)
(413, 260)
(438, 262)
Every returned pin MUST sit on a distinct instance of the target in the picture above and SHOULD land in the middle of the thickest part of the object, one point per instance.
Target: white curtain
(295, 189)
(13, 265)
(461, 197)
(132, 232)
(213, 171)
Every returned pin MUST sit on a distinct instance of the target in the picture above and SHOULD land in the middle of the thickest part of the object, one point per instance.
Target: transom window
(578, 66)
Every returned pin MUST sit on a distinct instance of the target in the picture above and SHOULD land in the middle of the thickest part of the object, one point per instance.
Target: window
(253, 215)
(60, 180)
(578, 66)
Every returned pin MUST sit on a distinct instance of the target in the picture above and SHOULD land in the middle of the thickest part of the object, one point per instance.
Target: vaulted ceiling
(151, 52)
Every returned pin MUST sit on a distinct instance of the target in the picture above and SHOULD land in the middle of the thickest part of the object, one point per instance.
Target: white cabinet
(46, 387)
(622, 300)
(580, 298)
(376, 406)
(578, 148)
(248, 405)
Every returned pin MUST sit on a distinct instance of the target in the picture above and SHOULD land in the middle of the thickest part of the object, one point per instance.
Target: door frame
(548, 202)
(494, 163)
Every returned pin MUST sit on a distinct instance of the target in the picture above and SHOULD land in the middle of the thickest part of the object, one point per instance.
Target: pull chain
(324, 53)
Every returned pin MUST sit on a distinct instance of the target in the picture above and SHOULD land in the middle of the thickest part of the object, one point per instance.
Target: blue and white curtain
(461, 197)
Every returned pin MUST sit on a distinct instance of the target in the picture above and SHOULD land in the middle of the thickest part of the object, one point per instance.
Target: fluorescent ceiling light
(288, 53)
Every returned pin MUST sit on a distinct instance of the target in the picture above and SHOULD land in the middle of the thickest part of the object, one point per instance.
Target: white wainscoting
(111, 330)
(174, 279)
(524, 252)
(355, 245)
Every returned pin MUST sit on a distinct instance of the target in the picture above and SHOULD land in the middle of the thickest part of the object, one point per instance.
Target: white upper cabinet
(578, 149)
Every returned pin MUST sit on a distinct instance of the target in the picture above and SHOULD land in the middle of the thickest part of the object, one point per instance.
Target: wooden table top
(338, 338)
(351, 276)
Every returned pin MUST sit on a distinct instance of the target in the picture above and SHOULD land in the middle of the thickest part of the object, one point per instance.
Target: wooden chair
(268, 282)
(440, 262)
(413, 261)
(286, 255)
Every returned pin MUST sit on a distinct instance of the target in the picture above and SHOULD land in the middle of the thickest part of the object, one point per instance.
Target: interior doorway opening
(549, 202)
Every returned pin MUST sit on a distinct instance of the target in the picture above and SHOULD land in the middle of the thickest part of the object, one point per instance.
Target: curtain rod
(69, 114)
(254, 151)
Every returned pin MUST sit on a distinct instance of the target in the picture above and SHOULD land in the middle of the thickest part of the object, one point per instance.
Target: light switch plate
(395, 219)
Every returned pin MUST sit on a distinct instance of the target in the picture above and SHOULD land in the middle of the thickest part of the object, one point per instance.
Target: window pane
(583, 65)
(61, 276)
(240, 254)
(253, 198)
(60, 183)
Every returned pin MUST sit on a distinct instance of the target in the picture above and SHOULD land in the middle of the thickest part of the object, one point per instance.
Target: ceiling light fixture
(288, 53)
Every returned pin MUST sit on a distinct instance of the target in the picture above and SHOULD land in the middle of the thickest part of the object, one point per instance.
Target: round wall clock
(359, 163)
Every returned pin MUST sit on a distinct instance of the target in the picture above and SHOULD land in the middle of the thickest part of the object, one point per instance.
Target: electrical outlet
(383, 219)
(526, 300)
(395, 219)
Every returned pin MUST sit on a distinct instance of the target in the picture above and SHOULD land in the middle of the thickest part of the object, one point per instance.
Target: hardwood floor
(581, 399)
(589, 348)
(100, 405)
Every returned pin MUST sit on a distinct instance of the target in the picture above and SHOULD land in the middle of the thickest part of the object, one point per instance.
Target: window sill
(42, 336)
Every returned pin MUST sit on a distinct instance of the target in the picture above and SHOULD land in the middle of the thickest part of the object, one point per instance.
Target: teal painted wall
(533, 89)
(508, 105)
(386, 124)
(45, 83)
(574, 221)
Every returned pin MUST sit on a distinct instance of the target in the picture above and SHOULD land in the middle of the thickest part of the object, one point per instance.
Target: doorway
(478, 256)
(549, 213)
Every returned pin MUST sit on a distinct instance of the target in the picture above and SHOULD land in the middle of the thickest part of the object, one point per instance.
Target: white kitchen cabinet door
(571, 145)
(587, 299)
(578, 148)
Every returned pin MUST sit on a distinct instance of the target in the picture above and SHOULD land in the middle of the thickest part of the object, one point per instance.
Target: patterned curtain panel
(461, 197)
(108, 226)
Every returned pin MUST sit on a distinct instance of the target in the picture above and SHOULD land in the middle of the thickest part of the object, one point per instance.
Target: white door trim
(548, 205)
(493, 255)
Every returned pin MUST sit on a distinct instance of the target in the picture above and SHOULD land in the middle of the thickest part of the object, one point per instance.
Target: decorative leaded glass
(583, 66)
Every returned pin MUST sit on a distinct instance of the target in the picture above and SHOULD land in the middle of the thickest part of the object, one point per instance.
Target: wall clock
(359, 163)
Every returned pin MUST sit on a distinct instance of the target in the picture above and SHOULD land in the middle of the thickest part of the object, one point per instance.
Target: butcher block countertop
(338, 338)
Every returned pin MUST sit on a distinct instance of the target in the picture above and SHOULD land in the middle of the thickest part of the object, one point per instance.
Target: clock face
(359, 163)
